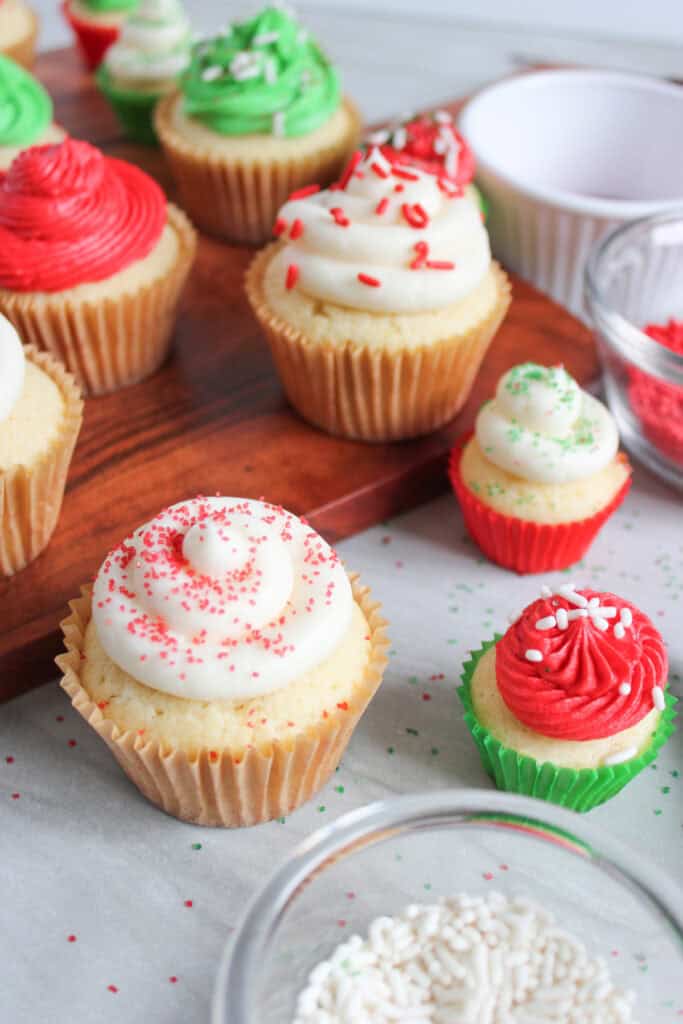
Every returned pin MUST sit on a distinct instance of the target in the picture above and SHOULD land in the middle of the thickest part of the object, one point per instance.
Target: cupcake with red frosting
(92, 262)
(657, 403)
(572, 702)
(96, 25)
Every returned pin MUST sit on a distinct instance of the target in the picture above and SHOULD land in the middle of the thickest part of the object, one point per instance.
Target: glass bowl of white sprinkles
(459, 907)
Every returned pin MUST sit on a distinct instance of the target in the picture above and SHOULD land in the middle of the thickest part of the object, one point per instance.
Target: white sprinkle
(279, 123)
(270, 71)
(302, 35)
(625, 689)
(244, 74)
(443, 117)
(602, 624)
(533, 655)
(546, 591)
(594, 602)
(378, 138)
(568, 593)
(626, 616)
(440, 146)
(621, 755)
(265, 38)
(451, 162)
(399, 138)
(210, 74)
(546, 623)
(619, 631)
(658, 698)
(562, 618)
(577, 613)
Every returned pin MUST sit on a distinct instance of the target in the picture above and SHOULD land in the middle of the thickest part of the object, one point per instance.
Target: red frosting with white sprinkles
(69, 215)
(430, 142)
(581, 665)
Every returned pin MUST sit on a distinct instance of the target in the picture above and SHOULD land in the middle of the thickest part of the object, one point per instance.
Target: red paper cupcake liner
(522, 545)
(93, 40)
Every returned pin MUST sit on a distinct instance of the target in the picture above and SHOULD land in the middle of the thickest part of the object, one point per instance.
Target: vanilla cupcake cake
(225, 657)
(379, 301)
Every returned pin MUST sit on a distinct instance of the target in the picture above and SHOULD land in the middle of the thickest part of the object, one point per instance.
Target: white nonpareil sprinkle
(658, 698)
(399, 138)
(265, 38)
(562, 618)
(378, 138)
(270, 71)
(279, 123)
(443, 117)
(546, 591)
(567, 591)
(466, 960)
(546, 623)
(533, 655)
(624, 689)
(210, 74)
(626, 616)
(619, 631)
(577, 613)
(621, 755)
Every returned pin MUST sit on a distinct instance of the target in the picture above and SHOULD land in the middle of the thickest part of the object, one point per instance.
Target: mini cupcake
(92, 262)
(225, 657)
(145, 64)
(542, 473)
(658, 403)
(26, 113)
(96, 25)
(572, 702)
(259, 113)
(18, 32)
(379, 301)
(40, 417)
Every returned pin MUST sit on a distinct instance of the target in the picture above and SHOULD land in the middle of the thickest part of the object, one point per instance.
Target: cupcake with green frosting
(145, 64)
(259, 114)
(25, 113)
(97, 25)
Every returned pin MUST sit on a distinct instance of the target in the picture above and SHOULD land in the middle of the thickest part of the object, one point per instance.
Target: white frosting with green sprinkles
(543, 427)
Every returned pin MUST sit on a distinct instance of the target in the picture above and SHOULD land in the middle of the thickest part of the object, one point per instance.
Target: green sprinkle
(196, 846)
(412, 732)
(339, 789)
(391, 750)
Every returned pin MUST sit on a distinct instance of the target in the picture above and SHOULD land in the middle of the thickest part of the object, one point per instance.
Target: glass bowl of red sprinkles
(460, 906)
(634, 293)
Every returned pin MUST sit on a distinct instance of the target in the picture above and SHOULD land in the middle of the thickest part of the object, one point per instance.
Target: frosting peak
(25, 107)
(430, 142)
(261, 77)
(221, 598)
(386, 239)
(70, 215)
(12, 367)
(543, 427)
(581, 665)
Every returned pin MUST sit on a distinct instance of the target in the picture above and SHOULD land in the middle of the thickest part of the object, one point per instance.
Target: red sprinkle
(301, 193)
(213, 755)
(449, 189)
(9, 759)
(415, 214)
(173, 979)
(399, 188)
(187, 903)
(292, 276)
(340, 217)
(440, 265)
(350, 168)
(399, 172)
(422, 250)
(112, 988)
(279, 227)
(371, 282)
(15, 796)
(296, 230)
(381, 206)
(380, 171)
(343, 706)
(71, 938)
(71, 743)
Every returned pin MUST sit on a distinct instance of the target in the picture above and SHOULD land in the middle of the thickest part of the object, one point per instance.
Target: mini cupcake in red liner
(658, 404)
(96, 25)
(572, 702)
(542, 472)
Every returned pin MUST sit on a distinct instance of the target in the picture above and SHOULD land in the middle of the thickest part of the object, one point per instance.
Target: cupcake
(379, 301)
(259, 113)
(40, 417)
(27, 112)
(145, 64)
(96, 25)
(572, 702)
(92, 262)
(542, 473)
(658, 403)
(225, 657)
(18, 32)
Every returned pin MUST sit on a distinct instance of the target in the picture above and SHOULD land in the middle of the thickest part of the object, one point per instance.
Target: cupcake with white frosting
(225, 657)
(40, 417)
(573, 701)
(145, 64)
(379, 301)
(542, 473)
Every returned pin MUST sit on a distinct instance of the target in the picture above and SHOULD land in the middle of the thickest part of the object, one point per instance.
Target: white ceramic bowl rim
(423, 810)
(525, 83)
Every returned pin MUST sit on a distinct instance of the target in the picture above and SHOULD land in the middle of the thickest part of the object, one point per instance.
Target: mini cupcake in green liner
(640, 712)
(145, 64)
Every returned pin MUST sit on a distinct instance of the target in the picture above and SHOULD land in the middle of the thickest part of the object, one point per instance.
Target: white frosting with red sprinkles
(386, 238)
(221, 598)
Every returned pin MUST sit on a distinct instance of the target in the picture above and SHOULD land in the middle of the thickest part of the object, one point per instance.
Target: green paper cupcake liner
(134, 110)
(577, 789)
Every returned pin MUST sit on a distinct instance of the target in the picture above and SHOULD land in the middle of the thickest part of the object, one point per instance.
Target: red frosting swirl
(591, 682)
(69, 215)
(424, 149)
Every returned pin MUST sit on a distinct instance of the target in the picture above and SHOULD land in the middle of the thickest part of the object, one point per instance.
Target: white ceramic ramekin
(565, 156)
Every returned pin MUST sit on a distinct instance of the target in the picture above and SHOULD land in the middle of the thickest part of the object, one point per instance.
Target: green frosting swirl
(25, 107)
(107, 6)
(261, 77)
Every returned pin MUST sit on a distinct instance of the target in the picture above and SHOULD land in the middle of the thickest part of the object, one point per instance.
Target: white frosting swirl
(12, 367)
(543, 427)
(379, 241)
(221, 598)
(154, 42)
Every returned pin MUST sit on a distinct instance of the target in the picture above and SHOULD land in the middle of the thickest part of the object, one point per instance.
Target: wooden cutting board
(215, 419)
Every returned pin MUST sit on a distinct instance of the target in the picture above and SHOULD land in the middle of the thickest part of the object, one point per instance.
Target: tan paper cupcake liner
(23, 51)
(31, 497)
(375, 394)
(240, 201)
(228, 788)
(108, 343)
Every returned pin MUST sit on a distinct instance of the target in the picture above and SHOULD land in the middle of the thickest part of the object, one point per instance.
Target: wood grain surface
(214, 419)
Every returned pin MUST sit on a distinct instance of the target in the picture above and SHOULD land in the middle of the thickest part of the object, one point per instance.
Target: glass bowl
(634, 277)
(378, 859)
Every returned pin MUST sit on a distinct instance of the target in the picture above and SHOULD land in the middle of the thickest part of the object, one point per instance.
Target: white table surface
(96, 883)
